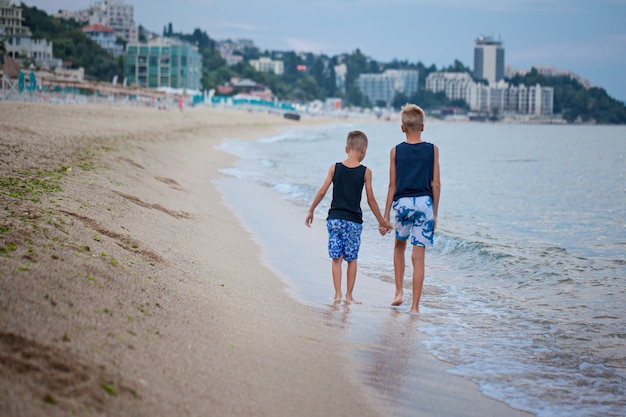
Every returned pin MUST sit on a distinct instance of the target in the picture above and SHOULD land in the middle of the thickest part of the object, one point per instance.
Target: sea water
(525, 287)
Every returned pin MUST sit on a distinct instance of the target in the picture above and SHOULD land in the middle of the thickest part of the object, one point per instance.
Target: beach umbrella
(32, 81)
(20, 81)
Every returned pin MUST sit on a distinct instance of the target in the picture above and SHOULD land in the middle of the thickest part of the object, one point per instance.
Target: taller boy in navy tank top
(345, 218)
(414, 188)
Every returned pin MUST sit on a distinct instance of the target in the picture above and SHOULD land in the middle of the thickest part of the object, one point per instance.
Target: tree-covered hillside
(69, 43)
(575, 102)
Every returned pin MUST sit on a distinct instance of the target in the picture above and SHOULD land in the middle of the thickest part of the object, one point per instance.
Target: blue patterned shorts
(415, 219)
(344, 239)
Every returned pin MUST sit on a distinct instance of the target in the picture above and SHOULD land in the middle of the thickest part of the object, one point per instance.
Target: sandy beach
(123, 293)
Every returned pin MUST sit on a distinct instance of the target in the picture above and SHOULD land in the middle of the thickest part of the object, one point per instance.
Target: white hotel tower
(488, 60)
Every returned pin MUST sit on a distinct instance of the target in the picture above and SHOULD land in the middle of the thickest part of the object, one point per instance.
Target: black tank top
(347, 191)
(414, 169)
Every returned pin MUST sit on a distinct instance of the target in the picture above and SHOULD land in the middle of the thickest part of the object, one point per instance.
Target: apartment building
(19, 43)
(231, 50)
(265, 64)
(163, 62)
(11, 20)
(453, 84)
(500, 97)
(382, 88)
(534, 100)
(105, 37)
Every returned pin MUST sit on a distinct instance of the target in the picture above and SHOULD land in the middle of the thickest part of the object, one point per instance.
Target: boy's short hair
(356, 140)
(412, 117)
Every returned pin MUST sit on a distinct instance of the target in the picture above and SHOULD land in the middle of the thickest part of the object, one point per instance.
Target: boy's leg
(336, 270)
(417, 257)
(352, 244)
(351, 279)
(398, 270)
(335, 251)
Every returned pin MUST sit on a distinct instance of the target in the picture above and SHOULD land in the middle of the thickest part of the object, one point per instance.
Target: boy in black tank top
(413, 194)
(345, 218)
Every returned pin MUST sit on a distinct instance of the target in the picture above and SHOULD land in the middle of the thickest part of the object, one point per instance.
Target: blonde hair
(412, 117)
(356, 140)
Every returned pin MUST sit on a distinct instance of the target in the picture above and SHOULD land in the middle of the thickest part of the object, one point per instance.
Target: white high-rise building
(488, 60)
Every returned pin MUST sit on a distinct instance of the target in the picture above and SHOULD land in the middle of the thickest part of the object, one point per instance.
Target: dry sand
(123, 293)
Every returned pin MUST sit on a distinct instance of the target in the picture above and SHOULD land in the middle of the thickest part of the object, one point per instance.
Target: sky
(586, 37)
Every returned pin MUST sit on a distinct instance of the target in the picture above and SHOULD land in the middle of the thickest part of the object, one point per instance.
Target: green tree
(458, 66)
(356, 64)
(426, 100)
(212, 61)
(141, 34)
(198, 38)
(323, 71)
(355, 97)
(291, 62)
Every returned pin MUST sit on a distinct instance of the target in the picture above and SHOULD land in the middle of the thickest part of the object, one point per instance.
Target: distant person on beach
(413, 193)
(180, 103)
(345, 218)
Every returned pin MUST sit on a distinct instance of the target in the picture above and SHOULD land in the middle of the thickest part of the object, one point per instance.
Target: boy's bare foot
(337, 298)
(414, 310)
(352, 300)
(397, 301)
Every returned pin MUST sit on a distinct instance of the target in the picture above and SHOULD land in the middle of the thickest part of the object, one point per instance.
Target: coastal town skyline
(588, 39)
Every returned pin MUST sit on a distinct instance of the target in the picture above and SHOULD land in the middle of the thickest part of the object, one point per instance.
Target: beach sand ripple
(128, 288)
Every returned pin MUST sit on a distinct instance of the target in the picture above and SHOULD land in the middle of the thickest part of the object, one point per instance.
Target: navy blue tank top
(414, 169)
(347, 191)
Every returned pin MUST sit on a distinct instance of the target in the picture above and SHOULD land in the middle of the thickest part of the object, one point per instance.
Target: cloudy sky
(587, 37)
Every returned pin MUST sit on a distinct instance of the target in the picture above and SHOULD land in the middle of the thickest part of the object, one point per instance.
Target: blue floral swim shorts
(344, 239)
(415, 219)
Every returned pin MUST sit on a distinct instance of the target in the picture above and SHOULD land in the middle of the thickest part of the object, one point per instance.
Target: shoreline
(123, 292)
(385, 348)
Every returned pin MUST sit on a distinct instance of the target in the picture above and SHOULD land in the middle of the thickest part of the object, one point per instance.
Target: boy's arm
(319, 196)
(392, 183)
(436, 185)
(371, 200)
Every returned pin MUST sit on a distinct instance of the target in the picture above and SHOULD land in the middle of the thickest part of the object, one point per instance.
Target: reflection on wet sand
(390, 361)
(336, 314)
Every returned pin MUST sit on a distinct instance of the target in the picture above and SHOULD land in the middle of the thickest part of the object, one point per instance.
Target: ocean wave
(301, 135)
(524, 355)
(275, 139)
(295, 192)
(532, 264)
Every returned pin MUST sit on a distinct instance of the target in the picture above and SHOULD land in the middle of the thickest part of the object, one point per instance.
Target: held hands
(384, 228)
